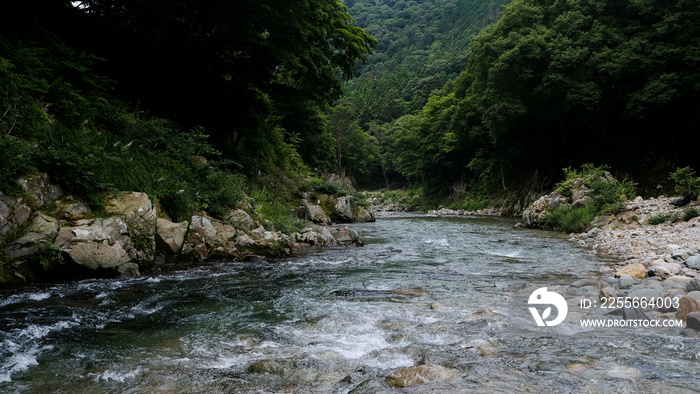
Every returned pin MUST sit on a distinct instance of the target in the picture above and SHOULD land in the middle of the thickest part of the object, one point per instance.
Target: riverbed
(451, 292)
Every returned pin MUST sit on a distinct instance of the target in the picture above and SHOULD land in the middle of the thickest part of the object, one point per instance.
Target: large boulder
(316, 235)
(14, 212)
(170, 237)
(240, 219)
(40, 191)
(361, 214)
(136, 208)
(535, 215)
(343, 209)
(346, 236)
(99, 244)
(313, 213)
(42, 231)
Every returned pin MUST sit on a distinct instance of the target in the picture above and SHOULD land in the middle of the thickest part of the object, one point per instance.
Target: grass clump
(664, 217)
(321, 186)
(571, 220)
(689, 213)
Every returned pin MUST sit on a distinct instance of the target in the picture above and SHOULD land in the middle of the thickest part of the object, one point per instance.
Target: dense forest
(194, 102)
(183, 100)
(551, 84)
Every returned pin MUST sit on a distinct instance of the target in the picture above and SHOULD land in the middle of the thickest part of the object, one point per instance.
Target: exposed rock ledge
(48, 224)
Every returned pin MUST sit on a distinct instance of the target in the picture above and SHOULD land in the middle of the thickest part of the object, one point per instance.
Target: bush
(571, 220)
(319, 185)
(665, 217)
(15, 161)
(689, 213)
(686, 184)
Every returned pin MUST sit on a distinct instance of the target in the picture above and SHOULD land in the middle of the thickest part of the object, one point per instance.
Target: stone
(584, 282)
(14, 212)
(633, 314)
(98, 255)
(625, 282)
(41, 192)
(534, 216)
(693, 262)
(693, 320)
(346, 236)
(343, 209)
(665, 270)
(43, 229)
(70, 209)
(240, 219)
(635, 270)
(137, 209)
(689, 333)
(607, 292)
(273, 367)
(594, 232)
(170, 237)
(686, 306)
(486, 349)
(421, 374)
(313, 213)
(695, 294)
(693, 285)
(362, 215)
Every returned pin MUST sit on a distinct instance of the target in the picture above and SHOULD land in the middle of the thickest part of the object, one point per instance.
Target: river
(424, 290)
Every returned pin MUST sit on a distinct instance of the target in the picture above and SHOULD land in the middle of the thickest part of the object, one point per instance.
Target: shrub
(689, 213)
(571, 220)
(319, 185)
(686, 184)
(665, 217)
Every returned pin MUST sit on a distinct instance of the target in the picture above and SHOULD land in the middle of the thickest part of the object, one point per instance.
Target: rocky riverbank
(48, 234)
(654, 260)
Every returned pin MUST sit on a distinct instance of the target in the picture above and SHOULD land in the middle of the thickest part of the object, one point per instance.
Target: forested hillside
(551, 84)
(182, 100)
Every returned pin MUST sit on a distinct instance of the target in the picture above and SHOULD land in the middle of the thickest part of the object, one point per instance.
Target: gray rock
(607, 292)
(136, 208)
(274, 367)
(362, 215)
(343, 209)
(585, 282)
(665, 270)
(74, 211)
(693, 285)
(240, 219)
(346, 236)
(693, 321)
(170, 237)
(313, 213)
(43, 229)
(625, 282)
(694, 294)
(689, 332)
(594, 232)
(13, 213)
(40, 190)
(633, 314)
(420, 374)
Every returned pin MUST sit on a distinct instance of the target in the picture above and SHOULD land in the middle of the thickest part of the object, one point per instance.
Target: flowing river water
(424, 290)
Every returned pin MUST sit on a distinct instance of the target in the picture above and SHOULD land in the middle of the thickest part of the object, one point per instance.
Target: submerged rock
(421, 374)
